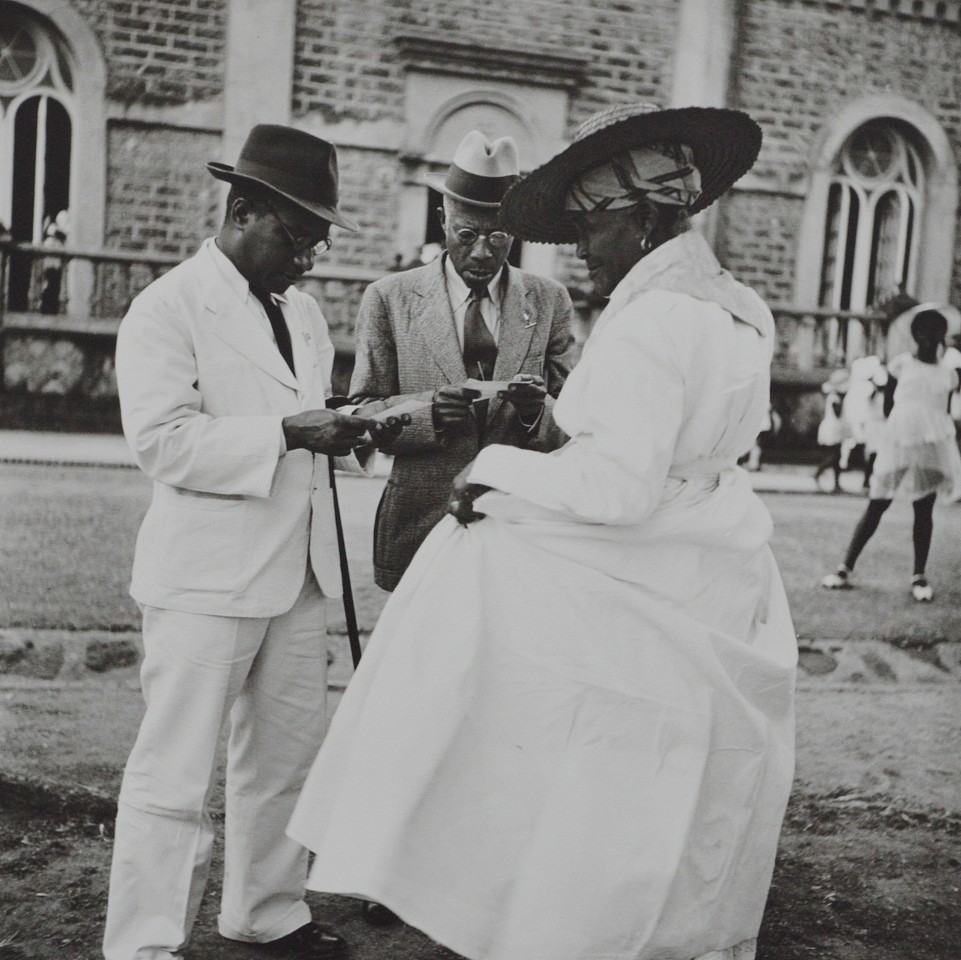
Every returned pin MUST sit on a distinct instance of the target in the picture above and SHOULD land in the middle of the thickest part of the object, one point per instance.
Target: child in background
(831, 429)
(862, 412)
(917, 454)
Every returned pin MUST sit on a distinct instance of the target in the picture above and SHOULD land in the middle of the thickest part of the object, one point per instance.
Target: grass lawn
(810, 536)
(68, 538)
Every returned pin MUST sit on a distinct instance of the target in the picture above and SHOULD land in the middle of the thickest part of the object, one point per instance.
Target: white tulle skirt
(917, 455)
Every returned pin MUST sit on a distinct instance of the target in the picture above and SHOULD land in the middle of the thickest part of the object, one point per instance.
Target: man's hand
(527, 393)
(451, 406)
(384, 432)
(326, 431)
(462, 496)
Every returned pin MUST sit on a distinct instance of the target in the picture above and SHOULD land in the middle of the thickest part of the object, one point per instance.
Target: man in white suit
(223, 369)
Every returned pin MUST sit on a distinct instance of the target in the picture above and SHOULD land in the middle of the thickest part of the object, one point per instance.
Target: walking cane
(350, 613)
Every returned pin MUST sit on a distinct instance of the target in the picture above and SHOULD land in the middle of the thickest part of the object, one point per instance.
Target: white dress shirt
(237, 281)
(459, 294)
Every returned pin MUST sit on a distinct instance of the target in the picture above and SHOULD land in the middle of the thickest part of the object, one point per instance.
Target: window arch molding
(523, 126)
(88, 173)
(937, 240)
(441, 109)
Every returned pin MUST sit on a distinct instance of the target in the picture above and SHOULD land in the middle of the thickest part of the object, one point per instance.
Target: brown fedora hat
(295, 164)
(725, 144)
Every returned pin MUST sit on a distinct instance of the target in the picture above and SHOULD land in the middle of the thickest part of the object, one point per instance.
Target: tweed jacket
(406, 348)
(203, 392)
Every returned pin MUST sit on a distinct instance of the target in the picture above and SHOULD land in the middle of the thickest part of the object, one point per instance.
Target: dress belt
(700, 469)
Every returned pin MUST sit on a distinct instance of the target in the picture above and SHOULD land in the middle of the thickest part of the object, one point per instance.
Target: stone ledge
(65, 654)
(878, 662)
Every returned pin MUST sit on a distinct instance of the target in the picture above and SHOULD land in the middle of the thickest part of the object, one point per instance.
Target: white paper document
(487, 388)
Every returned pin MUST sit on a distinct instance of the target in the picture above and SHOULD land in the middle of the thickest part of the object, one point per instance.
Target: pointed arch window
(36, 135)
(875, 205)
(35, 125)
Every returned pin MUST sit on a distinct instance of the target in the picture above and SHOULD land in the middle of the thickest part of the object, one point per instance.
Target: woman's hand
(462, 496)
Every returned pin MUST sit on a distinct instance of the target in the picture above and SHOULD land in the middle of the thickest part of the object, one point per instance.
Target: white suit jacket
(203, 390)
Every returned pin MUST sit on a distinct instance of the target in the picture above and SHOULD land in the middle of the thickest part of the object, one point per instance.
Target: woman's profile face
(609, 242)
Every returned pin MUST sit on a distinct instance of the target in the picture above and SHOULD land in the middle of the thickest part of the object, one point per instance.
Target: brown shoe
(309, 942)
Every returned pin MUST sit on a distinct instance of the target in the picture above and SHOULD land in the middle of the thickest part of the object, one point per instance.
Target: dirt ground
(855, 880)
(869, 866)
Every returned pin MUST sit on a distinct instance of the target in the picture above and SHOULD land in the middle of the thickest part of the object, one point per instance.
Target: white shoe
(921, 590)
(837, 581)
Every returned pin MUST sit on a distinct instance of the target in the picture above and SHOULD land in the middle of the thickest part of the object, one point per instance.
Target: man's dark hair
(253, 193)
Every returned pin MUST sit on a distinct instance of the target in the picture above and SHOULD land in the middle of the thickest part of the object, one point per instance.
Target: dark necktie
(480, 353)
(278, 325)
(480, 350)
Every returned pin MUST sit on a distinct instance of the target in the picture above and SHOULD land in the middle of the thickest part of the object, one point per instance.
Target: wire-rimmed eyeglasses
(496, 238)
(304, 243)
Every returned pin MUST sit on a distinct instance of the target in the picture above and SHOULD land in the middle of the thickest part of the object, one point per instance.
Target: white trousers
(270, 676)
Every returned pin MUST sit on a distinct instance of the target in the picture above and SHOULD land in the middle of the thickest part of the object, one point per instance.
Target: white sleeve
(171, 439)
(631, 409)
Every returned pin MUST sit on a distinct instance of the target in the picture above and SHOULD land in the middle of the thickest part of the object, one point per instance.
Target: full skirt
(567, 743)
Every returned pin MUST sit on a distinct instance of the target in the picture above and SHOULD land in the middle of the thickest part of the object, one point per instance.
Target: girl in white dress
(571, 735)
(917, 454)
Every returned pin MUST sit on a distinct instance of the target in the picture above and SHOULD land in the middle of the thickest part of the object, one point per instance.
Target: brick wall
(347, 66)
(801, 62)
(369, 189)
(756, 238)
(160, 197)
(160, 51)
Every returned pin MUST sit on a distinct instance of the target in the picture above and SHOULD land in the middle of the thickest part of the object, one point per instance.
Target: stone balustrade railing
(60, 309)
(814, 340)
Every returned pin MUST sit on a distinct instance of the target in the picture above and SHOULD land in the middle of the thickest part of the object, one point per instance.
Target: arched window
(35, 125)
(36, 136)
(873, 224)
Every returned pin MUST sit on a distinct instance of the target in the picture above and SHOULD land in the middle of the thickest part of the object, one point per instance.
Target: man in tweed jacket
(412, 333)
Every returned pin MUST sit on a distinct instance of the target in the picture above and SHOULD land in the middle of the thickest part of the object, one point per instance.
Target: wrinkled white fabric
(571, 736)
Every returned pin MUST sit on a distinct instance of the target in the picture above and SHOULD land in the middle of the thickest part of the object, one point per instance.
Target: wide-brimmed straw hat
(297, 165)
(725, 144)
(481, 172)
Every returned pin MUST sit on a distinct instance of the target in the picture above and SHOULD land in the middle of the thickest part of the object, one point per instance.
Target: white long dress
(571, 736)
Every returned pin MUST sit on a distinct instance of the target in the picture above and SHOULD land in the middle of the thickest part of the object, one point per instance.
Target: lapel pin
(306, 337)
(532, 323)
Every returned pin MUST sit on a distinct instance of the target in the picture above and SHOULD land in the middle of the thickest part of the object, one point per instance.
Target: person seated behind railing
(54, 237)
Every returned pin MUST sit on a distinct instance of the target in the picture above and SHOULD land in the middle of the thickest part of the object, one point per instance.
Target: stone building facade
(855, 191)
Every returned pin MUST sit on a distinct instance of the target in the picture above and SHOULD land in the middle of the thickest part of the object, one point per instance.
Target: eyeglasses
(301, 244)
(467, 237)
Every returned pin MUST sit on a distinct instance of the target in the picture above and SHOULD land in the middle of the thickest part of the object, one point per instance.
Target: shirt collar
(459, 291)
(233, 277)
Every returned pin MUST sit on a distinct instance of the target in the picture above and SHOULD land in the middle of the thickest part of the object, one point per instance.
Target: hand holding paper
(527, 393)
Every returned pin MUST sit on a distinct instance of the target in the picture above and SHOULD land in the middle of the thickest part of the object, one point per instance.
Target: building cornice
(524, 64)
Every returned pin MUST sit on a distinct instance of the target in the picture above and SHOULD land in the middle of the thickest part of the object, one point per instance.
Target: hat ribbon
(662, 173)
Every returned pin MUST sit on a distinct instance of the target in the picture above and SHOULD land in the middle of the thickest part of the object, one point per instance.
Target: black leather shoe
(377, 915)
(309, 942)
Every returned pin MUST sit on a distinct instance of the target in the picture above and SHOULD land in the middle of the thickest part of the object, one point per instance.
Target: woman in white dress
(917, 453)
(571, 736)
